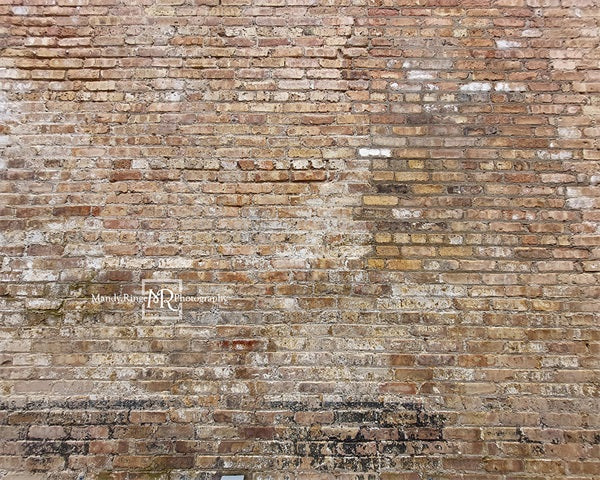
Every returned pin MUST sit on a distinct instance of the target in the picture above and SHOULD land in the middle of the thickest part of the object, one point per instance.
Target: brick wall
(390, 209)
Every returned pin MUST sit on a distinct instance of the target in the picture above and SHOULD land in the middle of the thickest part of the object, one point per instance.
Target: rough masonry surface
(390, 210)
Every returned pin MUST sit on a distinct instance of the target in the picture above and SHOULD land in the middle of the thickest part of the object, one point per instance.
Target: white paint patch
(394, 86)
(569, 132)
(476, 87)
(510, 87)
(504, 44)
(456, 240)
(22, 87)
(402, 290)
(300, 164)
(579, 201)
(33, 237)
(420, 75)
(430, 86)
(8, 108)
(595, 180)
(375, 152)
(97, 263)
(406, 213)
(531, 33)
(9, 73)
(560, 155)
(583, 202)
(354, 252)
(176, 262)
(39, 276)
(139, 163)
(560, 362)
(4, 111)
(430, 107)
(317, 163)
(173, 97)
(20, 10)
(42, 304)
(223, 372)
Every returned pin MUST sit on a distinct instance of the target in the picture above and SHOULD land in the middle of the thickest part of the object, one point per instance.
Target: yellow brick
(387, 251)
(404, 264)
(456, 251)
(416, 164)
(380, 200)
(546, 305)
(376, 263)
(412, 176)
(382, 175)
(428, 189)
(383, 237)
(418, 238)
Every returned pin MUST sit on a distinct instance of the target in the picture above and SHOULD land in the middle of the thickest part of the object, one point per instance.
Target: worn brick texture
(395, 202)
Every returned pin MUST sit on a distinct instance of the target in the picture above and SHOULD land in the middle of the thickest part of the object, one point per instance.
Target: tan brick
(383, 200)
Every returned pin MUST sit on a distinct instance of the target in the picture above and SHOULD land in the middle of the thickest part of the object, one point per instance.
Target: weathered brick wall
(397, 202)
